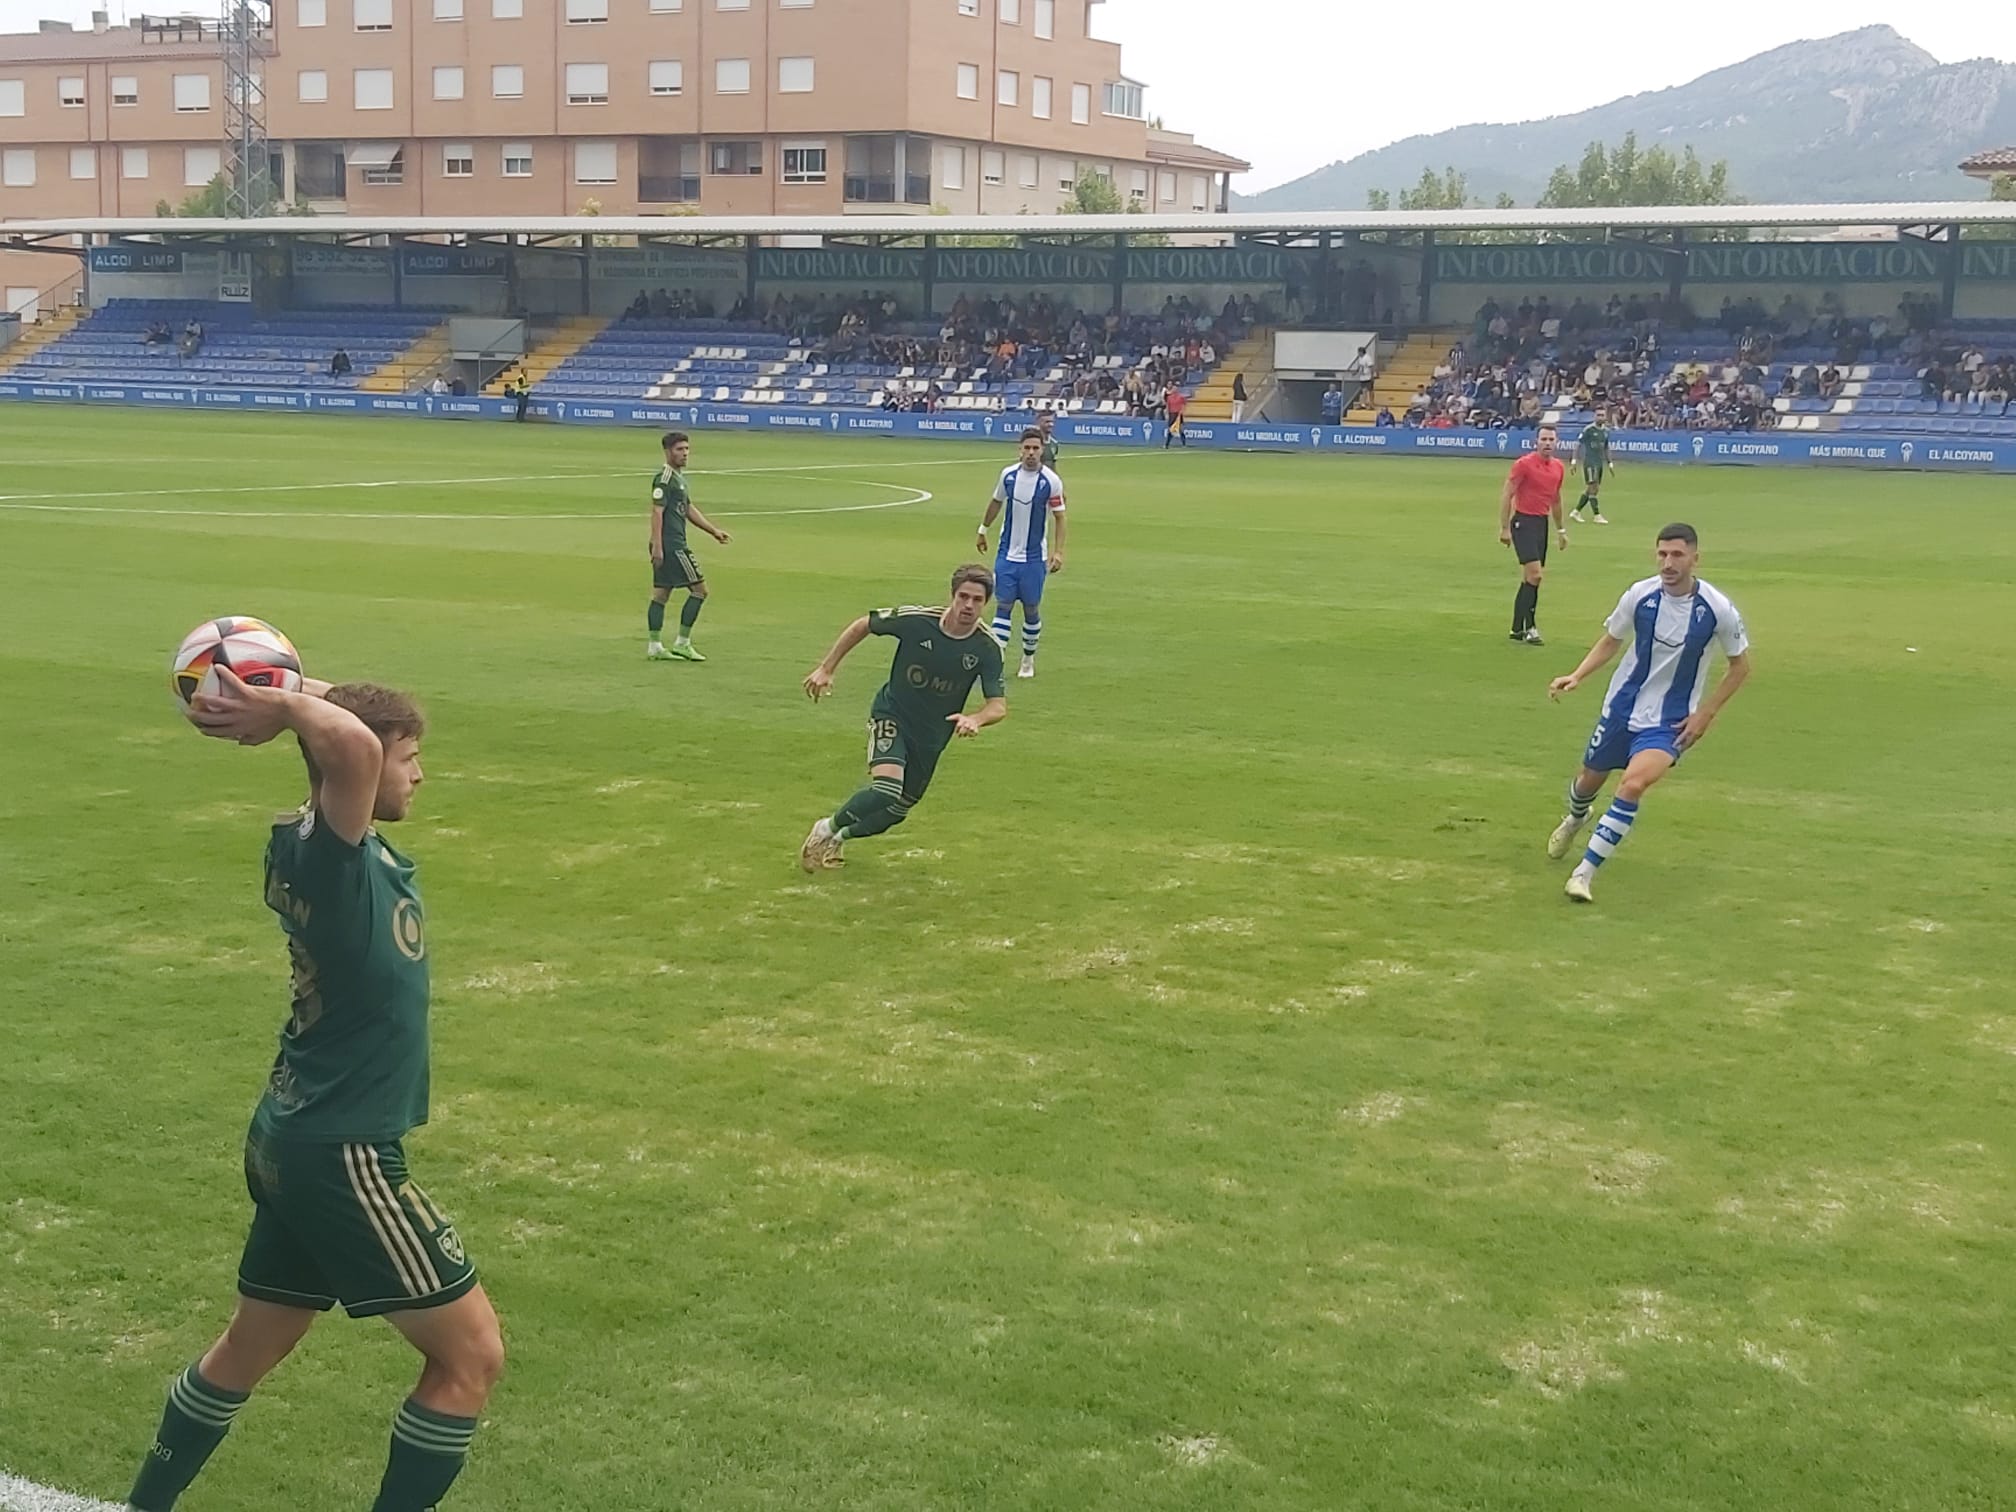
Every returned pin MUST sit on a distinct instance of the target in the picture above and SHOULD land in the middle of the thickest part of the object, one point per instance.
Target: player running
(940, 654)
(1033, 496)
(1532, 493)
(1654, 713)
(672, 565)
(1592, 452)
(336, 1217)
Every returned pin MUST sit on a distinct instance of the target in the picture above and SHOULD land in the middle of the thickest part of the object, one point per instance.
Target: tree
(213, 202)
(2002, 187)
(1451, 191)
(1091, 194)
(1623, 175)
(1145, 238)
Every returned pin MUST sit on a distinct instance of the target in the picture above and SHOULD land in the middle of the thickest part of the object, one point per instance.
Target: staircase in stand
(553, 345)
(1407, 371)
(51, 325)
(412, 367)
(1253, 357)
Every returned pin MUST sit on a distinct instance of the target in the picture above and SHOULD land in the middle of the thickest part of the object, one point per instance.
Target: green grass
(1207, 1099)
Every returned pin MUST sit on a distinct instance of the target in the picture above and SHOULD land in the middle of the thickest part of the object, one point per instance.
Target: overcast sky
(1291, 85)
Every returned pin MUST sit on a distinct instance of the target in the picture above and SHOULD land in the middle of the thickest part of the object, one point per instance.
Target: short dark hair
(385, 712)
(1032, 433)
(974, 572)
(673, 438)
(1679, 531)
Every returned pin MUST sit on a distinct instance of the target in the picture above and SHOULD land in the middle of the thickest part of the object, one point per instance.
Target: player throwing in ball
(1033, 496)
(1532, 493)
(672, 565)
(335, 1214)
(940, 654)
(1667, 626)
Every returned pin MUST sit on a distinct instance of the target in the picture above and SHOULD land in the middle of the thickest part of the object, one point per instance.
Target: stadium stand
(1834, 375)
(289, 350)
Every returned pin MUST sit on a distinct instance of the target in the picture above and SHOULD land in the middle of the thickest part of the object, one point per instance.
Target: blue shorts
(1020, 583)
(1611, 747)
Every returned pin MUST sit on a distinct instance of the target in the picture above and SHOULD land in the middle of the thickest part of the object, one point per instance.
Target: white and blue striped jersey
(1667, 640)
(1028, 499)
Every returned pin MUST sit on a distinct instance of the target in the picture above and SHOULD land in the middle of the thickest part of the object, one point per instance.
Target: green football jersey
(352, 1066)
(1595, 441)
(932, 672)
(1050, 451)
(668, 491)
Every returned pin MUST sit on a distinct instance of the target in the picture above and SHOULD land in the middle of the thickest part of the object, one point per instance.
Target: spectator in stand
(1333, 404)
(1384, 417)
(439, 387)
(192, 337)
(1174, 402)
(339, 364)
(1239, 398)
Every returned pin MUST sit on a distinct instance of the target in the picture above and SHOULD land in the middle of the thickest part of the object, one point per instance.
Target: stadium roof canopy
(1285, 226)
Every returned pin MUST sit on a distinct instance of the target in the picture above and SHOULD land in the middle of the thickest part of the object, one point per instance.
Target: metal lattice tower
(247, 36)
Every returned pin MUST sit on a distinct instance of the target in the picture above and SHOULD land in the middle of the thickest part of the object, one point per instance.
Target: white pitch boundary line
(18, 1495)
(916, 496)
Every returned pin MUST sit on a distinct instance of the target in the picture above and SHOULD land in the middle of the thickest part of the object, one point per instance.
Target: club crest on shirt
(969, 661)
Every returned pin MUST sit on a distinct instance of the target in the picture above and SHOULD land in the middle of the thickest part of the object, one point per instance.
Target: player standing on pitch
(672, 565)
(1532, 493)
(336, 1217)
(1592, 452)
(1032, 496)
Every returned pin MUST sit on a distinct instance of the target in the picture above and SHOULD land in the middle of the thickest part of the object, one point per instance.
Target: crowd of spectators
(995, 341)
(1960, 372)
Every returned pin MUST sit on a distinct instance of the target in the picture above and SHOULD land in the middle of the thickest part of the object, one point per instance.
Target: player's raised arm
(819, 681)
(340, 747)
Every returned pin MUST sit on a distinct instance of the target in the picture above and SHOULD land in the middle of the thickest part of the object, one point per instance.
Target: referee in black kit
(1532, 493)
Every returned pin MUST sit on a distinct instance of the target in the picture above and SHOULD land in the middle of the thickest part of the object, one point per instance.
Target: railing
(668, 189)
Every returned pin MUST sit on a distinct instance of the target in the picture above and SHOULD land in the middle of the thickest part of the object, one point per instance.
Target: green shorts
(677, 570)
(344, 1223)
(1594, 472)
(892, 743)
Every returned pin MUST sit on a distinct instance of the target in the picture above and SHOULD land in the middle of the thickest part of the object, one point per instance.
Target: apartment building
(539, 107)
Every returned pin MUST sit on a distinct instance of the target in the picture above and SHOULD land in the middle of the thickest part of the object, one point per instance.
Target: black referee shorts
(1529, 538)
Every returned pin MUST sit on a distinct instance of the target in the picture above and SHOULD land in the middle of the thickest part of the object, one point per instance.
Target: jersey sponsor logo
(407, 932)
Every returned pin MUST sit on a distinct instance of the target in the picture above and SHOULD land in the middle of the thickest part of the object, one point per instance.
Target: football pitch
(1206, 1100)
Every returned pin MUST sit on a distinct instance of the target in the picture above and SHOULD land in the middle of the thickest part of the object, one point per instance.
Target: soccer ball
(253, 649)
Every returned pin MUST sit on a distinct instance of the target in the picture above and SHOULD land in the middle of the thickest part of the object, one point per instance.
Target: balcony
(668, 189)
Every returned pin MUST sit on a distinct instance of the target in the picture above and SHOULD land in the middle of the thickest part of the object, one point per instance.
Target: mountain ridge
(1864, 115)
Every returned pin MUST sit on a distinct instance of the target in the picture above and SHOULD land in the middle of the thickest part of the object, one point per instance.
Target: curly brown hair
(386, 713)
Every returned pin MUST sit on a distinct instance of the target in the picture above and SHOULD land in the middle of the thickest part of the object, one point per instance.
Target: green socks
(428, 1449)
(876, 808)
(193, 1424)
(689, 612)
(654, 618)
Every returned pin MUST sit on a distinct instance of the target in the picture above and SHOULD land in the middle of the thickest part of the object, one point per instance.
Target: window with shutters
(668, 77)
(70, 93)
(311, 86)
(968, 81)
(200, 165)
(587, 83)
(458, 160)
(731, 76)
(594, 162)
(133, 163)
(1007, 87)
(373, 15)
(507, 81)
(587, 13)
(83, 162)
(125, 90)
(794, 76)
(17, 168)
(448, 83)
(192, 93)
(993, 165)
(1039, 97)
(1081, 104)
(311, 13)
(517, 160)
(371, 88)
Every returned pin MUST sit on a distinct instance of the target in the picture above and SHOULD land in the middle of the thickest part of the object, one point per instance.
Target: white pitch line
(917, 496)
(18, 1495)
(270, 488)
